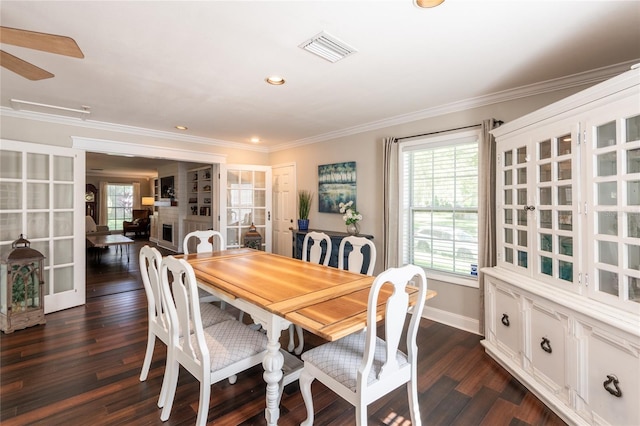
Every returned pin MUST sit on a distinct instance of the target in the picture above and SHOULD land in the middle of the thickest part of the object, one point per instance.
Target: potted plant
(305, 198)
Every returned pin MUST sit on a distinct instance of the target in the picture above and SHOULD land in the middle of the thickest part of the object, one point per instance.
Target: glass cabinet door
(613, 150)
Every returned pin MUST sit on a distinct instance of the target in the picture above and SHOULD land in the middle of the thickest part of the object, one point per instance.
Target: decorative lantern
(252, 238)
(21, 284)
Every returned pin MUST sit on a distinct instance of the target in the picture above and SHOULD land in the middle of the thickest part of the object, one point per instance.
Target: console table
(336, 238)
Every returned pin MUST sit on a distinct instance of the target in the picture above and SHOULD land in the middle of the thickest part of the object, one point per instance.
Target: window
(439, 192)
(119, 204)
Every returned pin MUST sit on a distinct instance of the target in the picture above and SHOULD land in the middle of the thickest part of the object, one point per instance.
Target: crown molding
(588, 77)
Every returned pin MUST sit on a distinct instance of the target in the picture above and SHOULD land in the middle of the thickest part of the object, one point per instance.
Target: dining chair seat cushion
(231, 341)
(211, 314)
(342, 358)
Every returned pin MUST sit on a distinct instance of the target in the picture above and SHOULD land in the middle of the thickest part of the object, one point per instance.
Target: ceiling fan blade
(51, 43)
(23, 68)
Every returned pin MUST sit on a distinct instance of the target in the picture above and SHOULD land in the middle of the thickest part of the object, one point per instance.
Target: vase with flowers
(351, 217)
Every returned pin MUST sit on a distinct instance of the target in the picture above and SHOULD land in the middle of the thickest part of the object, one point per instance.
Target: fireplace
(167, 232)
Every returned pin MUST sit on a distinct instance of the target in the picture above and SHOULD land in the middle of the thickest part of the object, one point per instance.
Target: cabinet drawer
(547, 350)
(609, 360)
(507, 323)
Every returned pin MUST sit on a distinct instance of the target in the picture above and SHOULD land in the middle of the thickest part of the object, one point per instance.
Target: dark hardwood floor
(82, 368)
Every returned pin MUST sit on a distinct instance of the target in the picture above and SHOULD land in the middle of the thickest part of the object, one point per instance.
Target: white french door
(42, 198)
(245, 199)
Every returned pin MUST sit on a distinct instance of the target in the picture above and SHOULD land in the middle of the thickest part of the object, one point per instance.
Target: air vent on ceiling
(327, 47)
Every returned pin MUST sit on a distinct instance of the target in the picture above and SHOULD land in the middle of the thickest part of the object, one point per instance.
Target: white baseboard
(454, 320)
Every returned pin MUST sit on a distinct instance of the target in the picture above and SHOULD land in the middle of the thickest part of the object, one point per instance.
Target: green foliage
(305, 198)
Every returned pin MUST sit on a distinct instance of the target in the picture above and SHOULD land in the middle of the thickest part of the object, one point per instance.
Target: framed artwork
(336, 184)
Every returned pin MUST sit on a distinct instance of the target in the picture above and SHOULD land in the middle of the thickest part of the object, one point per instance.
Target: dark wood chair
(139, 224)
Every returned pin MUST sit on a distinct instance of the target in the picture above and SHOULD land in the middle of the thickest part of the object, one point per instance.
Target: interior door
(245, 199)
(42, 198)
(284, 208)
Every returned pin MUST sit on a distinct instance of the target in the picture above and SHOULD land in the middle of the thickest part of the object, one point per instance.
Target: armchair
(139, 224)
(92, 229)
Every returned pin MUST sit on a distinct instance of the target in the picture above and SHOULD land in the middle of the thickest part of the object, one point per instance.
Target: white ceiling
(154, 65)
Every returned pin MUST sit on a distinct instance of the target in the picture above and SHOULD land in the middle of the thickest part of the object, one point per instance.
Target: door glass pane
(522, 238)
(10, 195)
(565, 220)
(43, 247)
(566, 270)
(522, 217)
(508, 158)
(37, 166)
(259, 218)
(564, 145)
(507, 177)
(508, 216)
(522, 155)
(608, 282)
(10, 226)
(606, 134)
(546, 265)
(522, 258)
(564, 195)
(63, 279)
(522, 175)
(564, 170)
(63, 224)
(633, 128)
(37, 225)
(608, 252)
(544, 150)
(607, 194)
(634, 289)
(607, 165)
(545, 172)
(633, 160)
(545, 219)
(565, 244)
(633, 257)
(63, 251)
(633, 225)
(545, 196)
(633, 192)
(37, 196)
(62, 168)
(546, 242)
(508, 236)
(260, 179)
(507, 197)
(508, 255)
(607, 223)
(522, 197)
(10, 164)
(62, 196)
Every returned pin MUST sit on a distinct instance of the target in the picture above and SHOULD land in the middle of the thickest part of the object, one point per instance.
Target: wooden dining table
(277, 291)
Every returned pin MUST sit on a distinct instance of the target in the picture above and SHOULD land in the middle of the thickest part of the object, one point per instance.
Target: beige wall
(364, 148)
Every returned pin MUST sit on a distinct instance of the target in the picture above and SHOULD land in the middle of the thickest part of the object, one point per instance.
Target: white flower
(350, 215)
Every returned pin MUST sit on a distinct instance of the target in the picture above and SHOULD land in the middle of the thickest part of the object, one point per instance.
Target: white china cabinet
(563, 303)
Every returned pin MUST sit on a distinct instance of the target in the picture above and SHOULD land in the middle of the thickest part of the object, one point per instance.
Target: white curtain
(102, 204)
(486, 207)
(390, 232)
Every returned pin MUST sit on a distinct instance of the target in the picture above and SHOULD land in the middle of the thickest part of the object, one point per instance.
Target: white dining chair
(206, 241)
(363, 367)
(355, 258)
(312, 251)
(158, 322)
(210, 354)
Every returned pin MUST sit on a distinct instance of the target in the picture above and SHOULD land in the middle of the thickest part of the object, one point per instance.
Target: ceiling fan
(51, 43)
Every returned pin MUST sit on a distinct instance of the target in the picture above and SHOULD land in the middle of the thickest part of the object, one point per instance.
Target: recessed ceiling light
(275, 80)
(255, 140)
(181, 127)
(427, 3)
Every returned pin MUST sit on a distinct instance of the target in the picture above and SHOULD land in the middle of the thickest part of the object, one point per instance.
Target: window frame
(431, 142)
(117, 220)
